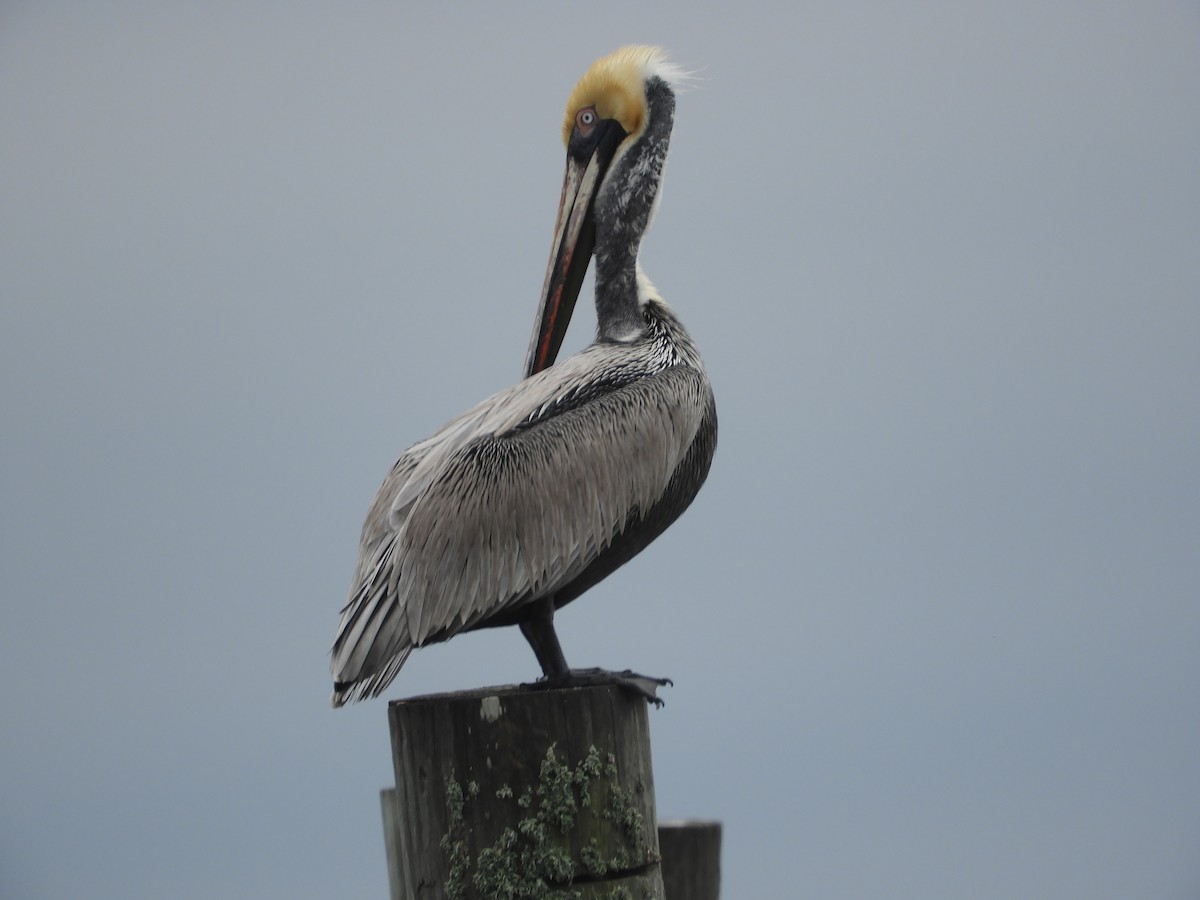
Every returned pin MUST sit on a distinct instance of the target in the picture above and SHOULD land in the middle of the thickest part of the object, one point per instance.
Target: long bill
(570, 255)
(571, 250)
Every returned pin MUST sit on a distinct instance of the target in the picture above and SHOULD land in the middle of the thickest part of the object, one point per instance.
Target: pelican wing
(514, 515)
(506, 503)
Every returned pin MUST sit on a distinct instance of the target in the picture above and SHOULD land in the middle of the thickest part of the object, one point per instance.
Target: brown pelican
(519, 505)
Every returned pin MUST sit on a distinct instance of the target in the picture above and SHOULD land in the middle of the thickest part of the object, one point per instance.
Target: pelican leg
(539, 631)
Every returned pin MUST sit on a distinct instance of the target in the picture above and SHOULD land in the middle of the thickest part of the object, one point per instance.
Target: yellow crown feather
(616, 86)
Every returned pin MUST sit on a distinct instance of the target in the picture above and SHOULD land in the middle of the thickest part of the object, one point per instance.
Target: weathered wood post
(391, 840)
(691, 859)
(526, 792)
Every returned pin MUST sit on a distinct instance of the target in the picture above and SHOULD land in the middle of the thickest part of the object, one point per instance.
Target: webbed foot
(645, 686)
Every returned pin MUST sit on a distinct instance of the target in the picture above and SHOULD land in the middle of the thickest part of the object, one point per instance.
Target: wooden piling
(691, 859)
(524, 791)
(391, 840)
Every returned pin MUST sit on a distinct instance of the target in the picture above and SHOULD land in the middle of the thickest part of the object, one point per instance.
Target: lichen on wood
(584, 806)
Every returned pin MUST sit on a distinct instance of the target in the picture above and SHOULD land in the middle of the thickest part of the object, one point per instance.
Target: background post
(391, 846)
(691, 859)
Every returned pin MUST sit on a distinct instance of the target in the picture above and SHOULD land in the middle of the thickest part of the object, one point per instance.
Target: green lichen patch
(582, 807)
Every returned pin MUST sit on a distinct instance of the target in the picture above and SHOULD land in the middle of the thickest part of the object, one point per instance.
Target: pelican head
(616, 131)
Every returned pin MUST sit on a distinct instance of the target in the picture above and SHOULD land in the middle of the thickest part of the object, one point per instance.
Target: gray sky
(934, 620)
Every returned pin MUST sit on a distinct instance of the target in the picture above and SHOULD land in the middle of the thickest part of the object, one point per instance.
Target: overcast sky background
(934, 622)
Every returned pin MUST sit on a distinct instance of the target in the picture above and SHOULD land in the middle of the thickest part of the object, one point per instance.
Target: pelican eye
(586, 119)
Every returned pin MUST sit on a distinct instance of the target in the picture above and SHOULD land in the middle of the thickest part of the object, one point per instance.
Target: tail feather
(372, 640)
(351, 691)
